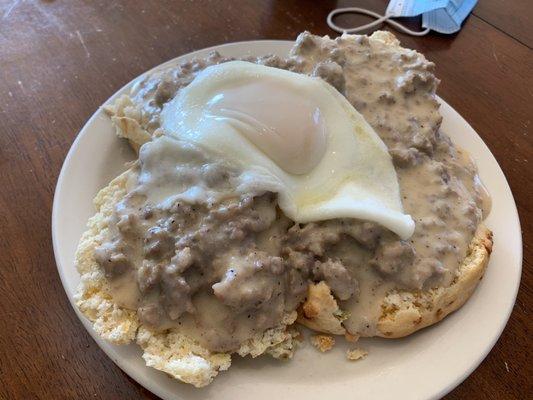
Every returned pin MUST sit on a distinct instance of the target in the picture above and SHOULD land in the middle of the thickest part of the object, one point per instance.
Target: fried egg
(294, 135)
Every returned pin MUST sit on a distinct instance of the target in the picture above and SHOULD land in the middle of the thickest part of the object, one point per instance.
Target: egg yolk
(285, 125)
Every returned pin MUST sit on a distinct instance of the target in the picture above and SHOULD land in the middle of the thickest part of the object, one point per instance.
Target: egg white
(299, 138)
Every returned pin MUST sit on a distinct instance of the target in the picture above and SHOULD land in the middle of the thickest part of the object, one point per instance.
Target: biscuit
(170, 351)
(405, 312)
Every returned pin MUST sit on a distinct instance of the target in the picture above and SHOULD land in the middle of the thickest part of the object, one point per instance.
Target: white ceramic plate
(425, 365)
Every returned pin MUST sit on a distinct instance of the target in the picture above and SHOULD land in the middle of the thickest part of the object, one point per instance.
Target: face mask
(444, 16)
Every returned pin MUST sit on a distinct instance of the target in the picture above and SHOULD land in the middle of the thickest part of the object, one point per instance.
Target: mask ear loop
(379, 20)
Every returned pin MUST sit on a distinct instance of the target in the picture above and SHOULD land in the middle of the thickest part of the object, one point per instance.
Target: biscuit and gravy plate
(300, 211)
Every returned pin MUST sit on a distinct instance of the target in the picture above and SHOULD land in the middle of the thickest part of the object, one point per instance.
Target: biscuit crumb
(323, 342)
(320, 312)
(356, 354)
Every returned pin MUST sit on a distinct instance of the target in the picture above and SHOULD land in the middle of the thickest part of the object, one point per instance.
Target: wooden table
(59, 60)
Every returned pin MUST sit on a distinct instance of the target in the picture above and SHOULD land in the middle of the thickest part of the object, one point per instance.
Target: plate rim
(123, 365)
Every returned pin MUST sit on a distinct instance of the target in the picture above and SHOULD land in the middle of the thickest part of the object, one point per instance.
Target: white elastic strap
(379, 20)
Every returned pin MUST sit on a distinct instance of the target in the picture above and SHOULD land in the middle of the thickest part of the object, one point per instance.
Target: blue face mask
(444, 16)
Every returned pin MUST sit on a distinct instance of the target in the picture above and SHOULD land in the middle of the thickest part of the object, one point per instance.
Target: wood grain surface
(59, 60)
